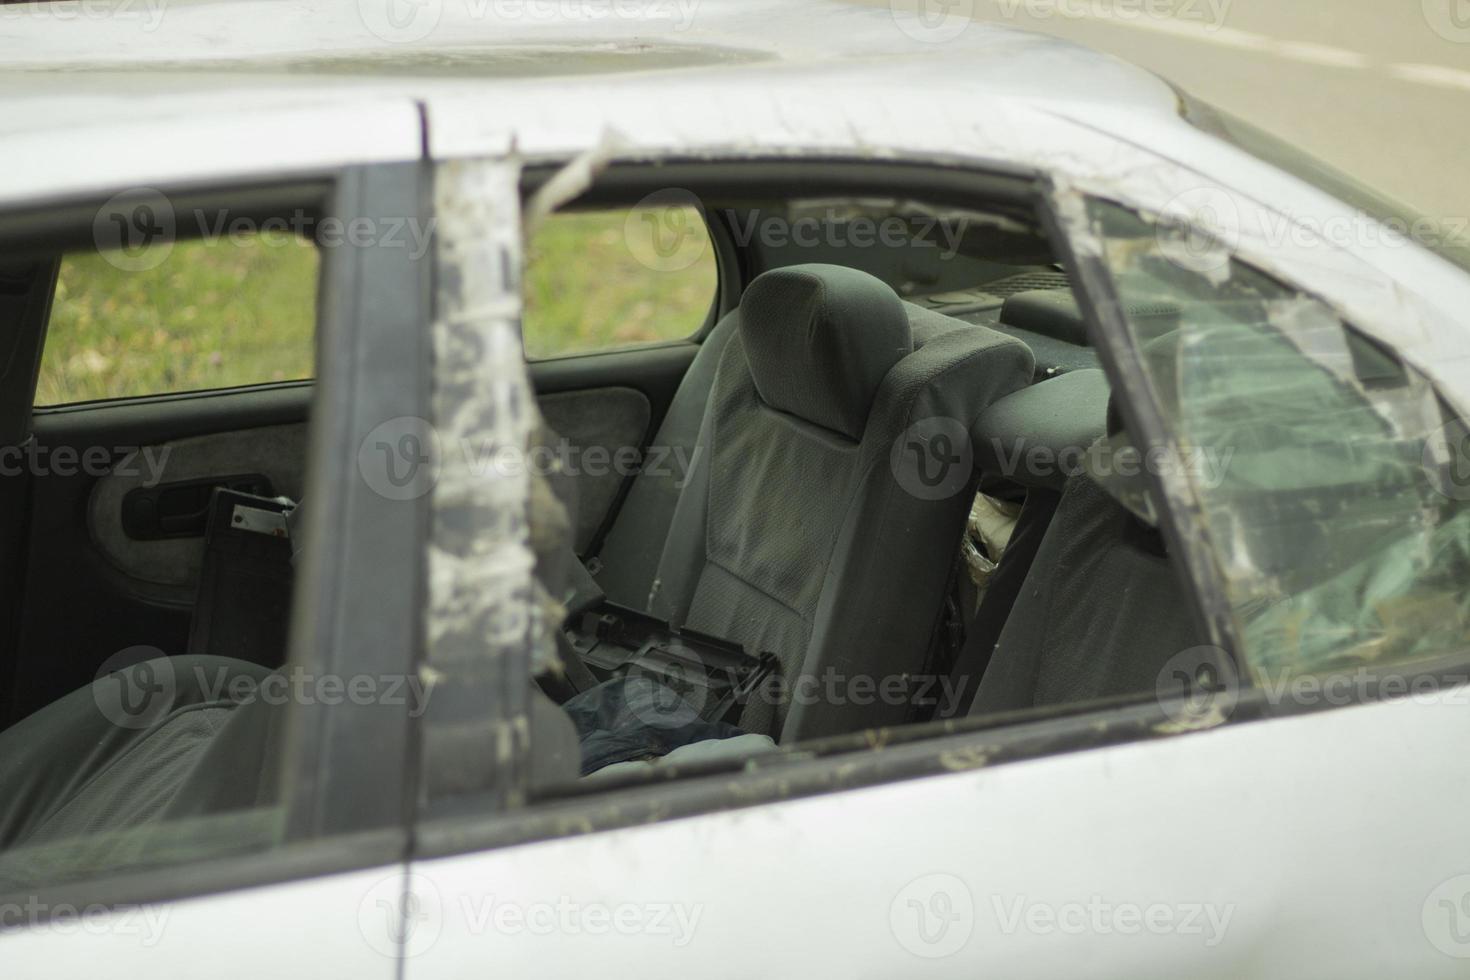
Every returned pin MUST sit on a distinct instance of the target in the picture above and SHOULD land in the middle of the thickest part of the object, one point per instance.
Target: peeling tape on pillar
(481, 565)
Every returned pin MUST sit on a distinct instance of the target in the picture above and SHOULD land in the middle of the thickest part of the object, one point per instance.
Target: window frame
(65, 226)
(505, 815)
(937, 748)
(356, 605)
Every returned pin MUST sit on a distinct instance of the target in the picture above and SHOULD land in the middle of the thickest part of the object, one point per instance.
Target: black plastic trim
(357, 608)
(147, 421)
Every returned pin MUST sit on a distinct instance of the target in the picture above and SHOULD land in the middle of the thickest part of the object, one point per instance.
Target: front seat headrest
(1037, 436)
(819, 340)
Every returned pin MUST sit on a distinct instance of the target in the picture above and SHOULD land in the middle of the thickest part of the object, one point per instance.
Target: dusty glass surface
(1332, 478)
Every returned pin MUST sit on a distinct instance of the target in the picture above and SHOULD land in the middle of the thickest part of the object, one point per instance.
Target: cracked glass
(1332, 479)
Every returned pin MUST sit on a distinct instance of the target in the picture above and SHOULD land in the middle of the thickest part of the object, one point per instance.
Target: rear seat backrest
(630, 554)
(795, 534)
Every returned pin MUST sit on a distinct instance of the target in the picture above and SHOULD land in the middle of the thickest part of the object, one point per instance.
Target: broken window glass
(1331, 477)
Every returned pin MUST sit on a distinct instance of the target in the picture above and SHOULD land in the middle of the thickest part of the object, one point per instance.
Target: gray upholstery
(1049, 312)
(804, 356)
(796, 536)
(1060, 417)
(1101, 612)
(630, 554)
(1055, 313)
(170, 567)
(69, 771)
(612, 421)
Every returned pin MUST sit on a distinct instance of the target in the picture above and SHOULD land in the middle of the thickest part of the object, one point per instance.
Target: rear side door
(312, 861)
(1201, 834)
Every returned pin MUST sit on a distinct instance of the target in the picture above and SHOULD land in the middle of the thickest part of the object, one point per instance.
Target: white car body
(1328, 843)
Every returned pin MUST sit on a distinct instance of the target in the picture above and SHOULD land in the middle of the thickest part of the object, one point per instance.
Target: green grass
(211, 315)
(587, 290)
(242, 311)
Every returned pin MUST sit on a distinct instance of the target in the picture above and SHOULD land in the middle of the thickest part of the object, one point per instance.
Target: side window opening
(923, 281)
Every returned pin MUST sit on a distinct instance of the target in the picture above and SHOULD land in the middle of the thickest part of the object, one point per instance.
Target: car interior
(850, 509)
(1006, 588)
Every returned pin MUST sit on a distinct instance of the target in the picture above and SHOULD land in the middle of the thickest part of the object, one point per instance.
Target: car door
(1198, 830)
(302, 858)
(167, 367)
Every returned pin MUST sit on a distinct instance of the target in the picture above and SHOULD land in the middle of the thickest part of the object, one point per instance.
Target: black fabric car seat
(627, 563)
(1029, 441)
(802, 530)
(1101, 612)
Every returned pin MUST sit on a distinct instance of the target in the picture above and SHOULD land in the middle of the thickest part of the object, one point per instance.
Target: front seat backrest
(1102, 609)
(1100, 614)
(796, 533)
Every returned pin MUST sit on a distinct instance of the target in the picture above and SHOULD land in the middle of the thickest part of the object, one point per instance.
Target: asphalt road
(1379, 88)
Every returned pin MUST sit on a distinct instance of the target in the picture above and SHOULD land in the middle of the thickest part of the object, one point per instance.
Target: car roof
(99, 96)
(161, 56)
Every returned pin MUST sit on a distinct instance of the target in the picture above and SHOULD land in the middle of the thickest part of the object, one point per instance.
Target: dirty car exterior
(1325, 842)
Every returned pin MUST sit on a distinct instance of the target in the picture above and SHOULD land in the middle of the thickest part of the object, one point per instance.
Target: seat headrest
(819, 339)
(1039, 436)
(1054, 313)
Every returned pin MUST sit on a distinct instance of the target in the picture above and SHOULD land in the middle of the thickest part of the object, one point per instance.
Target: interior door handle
(181, 509)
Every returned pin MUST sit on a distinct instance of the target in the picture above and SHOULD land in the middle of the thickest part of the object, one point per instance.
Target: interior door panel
(275, 452)
(92, 590)
(598, 429)
(607, 401)
(89, 590)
